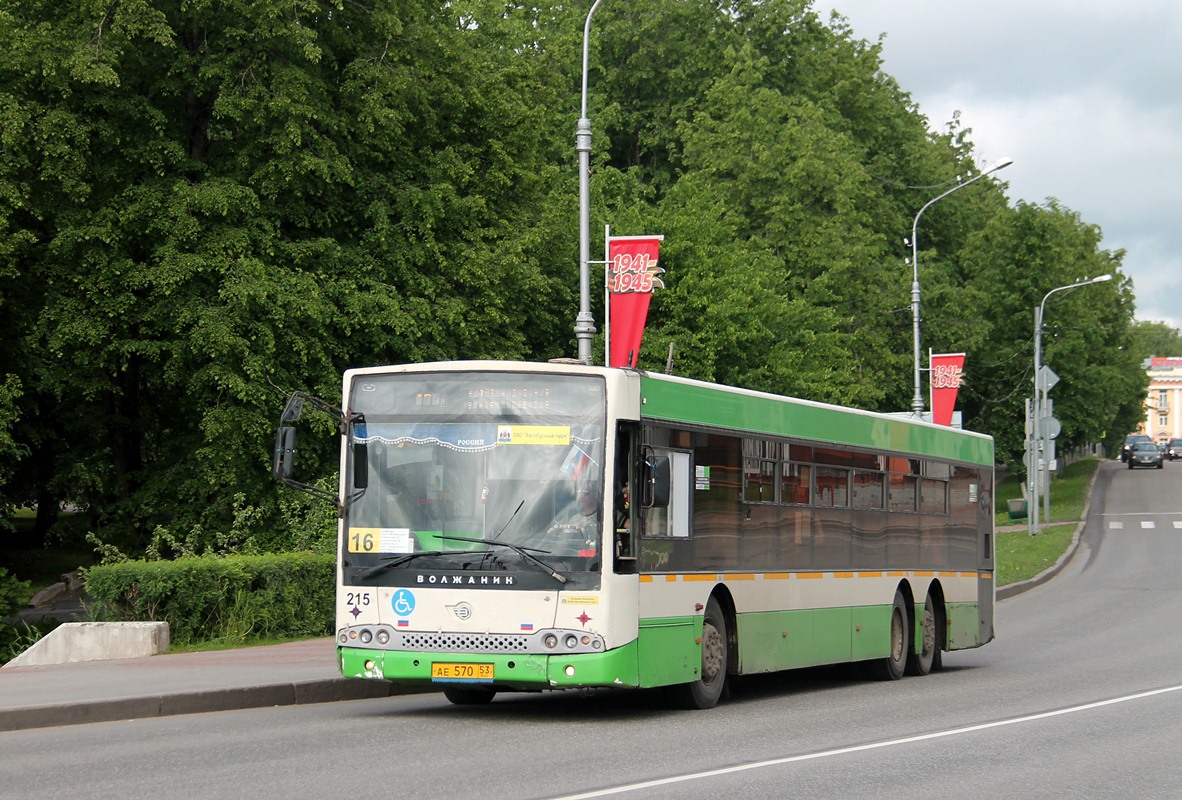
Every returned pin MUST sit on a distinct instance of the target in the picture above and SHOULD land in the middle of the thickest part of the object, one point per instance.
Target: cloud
(1082, 94)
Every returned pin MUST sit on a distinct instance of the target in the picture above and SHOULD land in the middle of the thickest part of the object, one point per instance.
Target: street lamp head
(1101, 278)
(917, 400)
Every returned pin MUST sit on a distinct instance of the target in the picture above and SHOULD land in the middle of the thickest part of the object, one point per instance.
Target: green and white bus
(541, 526)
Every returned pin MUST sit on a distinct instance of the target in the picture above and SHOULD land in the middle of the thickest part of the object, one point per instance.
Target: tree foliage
(1156, 339)
(204, 205)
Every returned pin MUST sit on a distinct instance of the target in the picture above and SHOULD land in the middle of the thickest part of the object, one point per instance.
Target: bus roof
(672, 398)
(676, 399)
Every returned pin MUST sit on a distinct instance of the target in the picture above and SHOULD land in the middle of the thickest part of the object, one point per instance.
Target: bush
(223, 599)
(16, 639)
(13, 593)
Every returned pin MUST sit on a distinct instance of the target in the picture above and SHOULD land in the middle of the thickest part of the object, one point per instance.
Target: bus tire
(706, 691)
(463, 696)
(894, 665)
(923, 662)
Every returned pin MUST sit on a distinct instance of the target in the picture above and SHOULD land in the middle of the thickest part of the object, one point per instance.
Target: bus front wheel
(706, 691)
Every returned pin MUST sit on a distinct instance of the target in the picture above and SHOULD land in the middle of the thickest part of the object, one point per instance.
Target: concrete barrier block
(95, 641)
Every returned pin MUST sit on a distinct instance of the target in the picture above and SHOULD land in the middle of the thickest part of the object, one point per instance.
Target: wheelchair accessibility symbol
(403, 602)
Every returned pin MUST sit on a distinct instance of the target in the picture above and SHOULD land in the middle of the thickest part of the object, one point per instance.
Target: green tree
(1011, 265)
(1156, 339)
(204, 205)
(217, 202)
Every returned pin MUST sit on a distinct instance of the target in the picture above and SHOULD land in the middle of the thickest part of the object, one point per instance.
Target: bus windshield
(478, 470)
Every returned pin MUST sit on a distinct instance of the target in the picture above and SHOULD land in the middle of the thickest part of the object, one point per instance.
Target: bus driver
(577, 526)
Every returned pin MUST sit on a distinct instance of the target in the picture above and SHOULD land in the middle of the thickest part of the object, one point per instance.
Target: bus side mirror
(283, 459)
(293, 409)
(656, 482)
(284, 453)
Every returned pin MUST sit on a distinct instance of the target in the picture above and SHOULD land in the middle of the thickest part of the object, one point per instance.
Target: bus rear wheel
(893, 666)
(928, 658)
(462, 696)
(706, 691)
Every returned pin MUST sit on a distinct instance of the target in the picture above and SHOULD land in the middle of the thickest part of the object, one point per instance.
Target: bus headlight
(571, 641)
(366, 636)
(550, 640)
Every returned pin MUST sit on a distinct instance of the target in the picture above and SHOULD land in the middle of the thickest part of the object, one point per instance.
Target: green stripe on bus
(673, 401)
(776, 640)
(669, 650)
(964, 626)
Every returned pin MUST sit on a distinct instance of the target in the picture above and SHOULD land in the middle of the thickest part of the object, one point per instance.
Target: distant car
(1131, 440)
(1174, 449)
(1145, 454)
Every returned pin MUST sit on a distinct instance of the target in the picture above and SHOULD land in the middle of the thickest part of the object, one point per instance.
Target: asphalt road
(1080, 696)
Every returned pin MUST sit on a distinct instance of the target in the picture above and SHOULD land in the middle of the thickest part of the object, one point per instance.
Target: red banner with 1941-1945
(947, 374)
(632, 275)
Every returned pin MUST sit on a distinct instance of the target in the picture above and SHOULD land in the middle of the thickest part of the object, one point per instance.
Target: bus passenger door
(625, 542)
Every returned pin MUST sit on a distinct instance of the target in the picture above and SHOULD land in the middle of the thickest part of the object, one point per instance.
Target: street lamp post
(584, 322)
(1037, 402)
(917, 401)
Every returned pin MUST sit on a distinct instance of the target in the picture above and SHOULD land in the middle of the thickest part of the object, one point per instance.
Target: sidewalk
(177, 683)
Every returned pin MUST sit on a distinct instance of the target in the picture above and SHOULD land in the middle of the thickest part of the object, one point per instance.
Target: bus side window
(666, 509)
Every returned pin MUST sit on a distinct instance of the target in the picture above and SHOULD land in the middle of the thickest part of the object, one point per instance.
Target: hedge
(220, 598)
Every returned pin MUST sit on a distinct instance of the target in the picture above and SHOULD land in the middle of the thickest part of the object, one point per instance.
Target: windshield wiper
(497, 535)
(398, 561)
(524, 552)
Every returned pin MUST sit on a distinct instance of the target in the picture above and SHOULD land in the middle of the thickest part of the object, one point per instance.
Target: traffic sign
(1049, 427)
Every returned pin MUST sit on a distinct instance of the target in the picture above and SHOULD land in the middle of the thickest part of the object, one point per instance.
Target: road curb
(1012, 589)
(163, 705)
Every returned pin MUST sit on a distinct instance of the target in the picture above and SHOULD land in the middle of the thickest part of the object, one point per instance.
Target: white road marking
(1116, 526)
(1148, 523)
(841, 751)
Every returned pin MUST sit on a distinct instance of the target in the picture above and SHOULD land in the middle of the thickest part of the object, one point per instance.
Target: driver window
(673, 521)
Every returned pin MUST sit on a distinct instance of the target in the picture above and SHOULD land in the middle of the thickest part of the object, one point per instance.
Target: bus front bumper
(521, 672)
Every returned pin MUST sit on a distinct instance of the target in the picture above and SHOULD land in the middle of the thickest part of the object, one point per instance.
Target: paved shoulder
(179, 683)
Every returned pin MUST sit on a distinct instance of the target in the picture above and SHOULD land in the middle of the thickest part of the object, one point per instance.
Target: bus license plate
(460, 673)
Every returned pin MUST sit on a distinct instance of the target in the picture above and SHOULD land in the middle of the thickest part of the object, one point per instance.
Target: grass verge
(1021, 556)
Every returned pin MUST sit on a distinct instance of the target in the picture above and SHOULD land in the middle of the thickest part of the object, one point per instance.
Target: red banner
(632, 276)
(947, 372)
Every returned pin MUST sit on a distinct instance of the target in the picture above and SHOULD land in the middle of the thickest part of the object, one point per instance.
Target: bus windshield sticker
(380, 540)
(533, 434)
(454, 436)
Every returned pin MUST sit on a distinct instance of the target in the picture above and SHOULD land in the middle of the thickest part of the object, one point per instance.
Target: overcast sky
(1084, 95)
